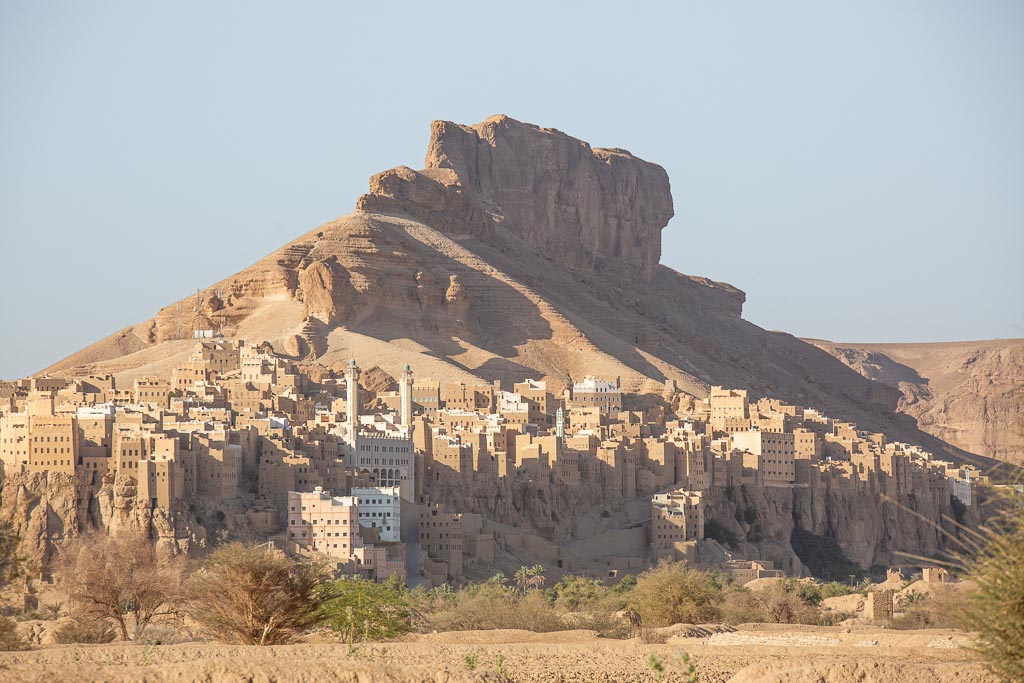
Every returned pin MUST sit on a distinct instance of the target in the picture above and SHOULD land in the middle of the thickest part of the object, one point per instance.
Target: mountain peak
(582, 207)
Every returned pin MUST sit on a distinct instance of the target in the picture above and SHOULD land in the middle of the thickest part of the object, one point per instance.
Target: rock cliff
(47, 509)
(580, 206)
(869, 532)
(854, 520)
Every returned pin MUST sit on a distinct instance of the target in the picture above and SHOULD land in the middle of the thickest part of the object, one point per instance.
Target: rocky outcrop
(324, 289)
(556, 511)
(868, 530)
(579, 206)
(116, 507)
(970, 394)
(44, 510)
(856, 521)
(433, 201)
(48, 509)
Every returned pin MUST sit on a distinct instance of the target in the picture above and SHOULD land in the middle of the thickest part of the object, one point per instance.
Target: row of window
(326, 521)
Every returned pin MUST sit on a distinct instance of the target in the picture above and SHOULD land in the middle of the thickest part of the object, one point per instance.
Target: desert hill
(517, 251)
(970, 394)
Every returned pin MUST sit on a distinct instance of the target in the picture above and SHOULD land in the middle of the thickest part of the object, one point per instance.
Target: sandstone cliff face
(44, 510)
(868, 531)
(556, 511)
(431, 198)
(47, 510)
(579, 206)
(970, 394)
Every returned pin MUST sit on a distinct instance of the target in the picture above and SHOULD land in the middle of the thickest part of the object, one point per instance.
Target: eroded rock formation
(580, 206)
(48, 509)
(970, 394)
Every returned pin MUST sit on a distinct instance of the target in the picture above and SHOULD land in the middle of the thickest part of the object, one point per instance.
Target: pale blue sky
(857, 168)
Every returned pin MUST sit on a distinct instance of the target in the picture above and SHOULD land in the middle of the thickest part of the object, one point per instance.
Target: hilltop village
(402, 479)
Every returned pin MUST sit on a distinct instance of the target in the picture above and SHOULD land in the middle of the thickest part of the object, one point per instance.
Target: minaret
(405, 396)
(560, 423)
(352, 373)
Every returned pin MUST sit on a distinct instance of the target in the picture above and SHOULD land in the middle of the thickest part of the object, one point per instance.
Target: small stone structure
(934, 575)
(878, 606)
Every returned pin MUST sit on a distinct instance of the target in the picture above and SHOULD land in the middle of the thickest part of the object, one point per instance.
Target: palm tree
(536, 576)
(522, 578)
(529, 577)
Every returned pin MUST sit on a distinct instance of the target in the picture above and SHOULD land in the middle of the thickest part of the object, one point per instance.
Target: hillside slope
(970, 394)
(518, 251)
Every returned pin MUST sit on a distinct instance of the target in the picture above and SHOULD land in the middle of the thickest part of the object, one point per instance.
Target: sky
(856, 168)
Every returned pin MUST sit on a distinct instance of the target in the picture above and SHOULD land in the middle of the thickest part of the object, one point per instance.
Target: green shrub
(364, 610)
(493, 605)
(625, 584)
(673, 593)
(813, 593)
(784, 603)
(834, 589)
(255, 595)
(575, 592)
(942, 608)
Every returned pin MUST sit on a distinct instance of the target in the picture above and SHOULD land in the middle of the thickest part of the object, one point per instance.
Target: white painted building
(598, 393)
(380, 508)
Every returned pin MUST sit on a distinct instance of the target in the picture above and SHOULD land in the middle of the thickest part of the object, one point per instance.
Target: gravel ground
(757, 653)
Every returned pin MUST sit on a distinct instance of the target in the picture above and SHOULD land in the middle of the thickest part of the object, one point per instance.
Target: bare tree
(121, 579)
(255, 595)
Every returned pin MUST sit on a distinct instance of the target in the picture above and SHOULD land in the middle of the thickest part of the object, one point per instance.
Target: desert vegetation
(255, 595)
(996, 607)
(118, 588)
(119, 581)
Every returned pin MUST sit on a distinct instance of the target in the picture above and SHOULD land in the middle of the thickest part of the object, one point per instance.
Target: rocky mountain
(970, 394)
(517, 251)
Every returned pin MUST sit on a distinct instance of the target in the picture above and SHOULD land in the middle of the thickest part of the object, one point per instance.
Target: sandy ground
(754, 653)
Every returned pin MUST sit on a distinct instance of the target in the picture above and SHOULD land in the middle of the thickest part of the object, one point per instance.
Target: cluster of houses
(350, 474)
